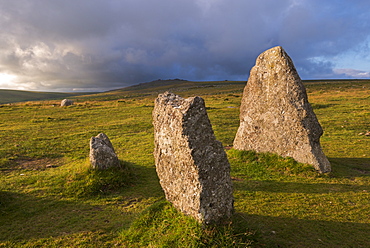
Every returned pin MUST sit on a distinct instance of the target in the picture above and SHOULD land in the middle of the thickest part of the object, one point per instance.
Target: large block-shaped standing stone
(191, 164)
(275, 115)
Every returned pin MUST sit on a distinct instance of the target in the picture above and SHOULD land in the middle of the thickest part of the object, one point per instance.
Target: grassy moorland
(11, 96)
(50, 198)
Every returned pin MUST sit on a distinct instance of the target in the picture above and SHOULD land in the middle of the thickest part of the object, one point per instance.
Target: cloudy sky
(88, 45)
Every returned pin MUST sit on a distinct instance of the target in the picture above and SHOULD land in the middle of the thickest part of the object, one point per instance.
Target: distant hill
(12, 96)
(169, 84)
(157, 83)
(156, 87)
(145, 89)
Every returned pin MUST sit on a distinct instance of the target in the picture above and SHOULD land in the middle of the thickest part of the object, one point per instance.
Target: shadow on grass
(25, 218)
(343, 168)
(297, 187)
(47, 215)
(350, 167)
(293, 232)
(322, 106)
(146, 181)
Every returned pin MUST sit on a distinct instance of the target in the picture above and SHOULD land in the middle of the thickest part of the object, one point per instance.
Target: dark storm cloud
(100, 44)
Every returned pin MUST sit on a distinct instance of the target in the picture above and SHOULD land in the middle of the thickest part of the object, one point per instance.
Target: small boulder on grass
(102, 155)
(66, 102)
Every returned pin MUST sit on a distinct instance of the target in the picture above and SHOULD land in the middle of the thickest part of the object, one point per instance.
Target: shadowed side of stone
(102, 155)
(275, 115)
(191, 164)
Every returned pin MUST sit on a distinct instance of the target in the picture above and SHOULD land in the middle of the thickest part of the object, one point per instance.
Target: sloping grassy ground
(50, 198)
(11, 96)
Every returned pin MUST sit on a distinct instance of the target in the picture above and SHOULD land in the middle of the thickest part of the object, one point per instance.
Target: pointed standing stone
(191, 164)
(275, 115)
(102, 155)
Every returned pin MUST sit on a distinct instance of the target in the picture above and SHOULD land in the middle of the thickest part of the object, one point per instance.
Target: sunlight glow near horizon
(7, 80)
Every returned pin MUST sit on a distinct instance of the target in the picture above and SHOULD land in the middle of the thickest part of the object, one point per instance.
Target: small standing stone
(102, 155)
(66, 102)
(275, 115)
(191, 164)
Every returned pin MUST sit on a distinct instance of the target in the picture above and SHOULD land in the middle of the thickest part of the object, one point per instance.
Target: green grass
(161, 225)
(49, 197)
(289, 204)
(12, 96)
